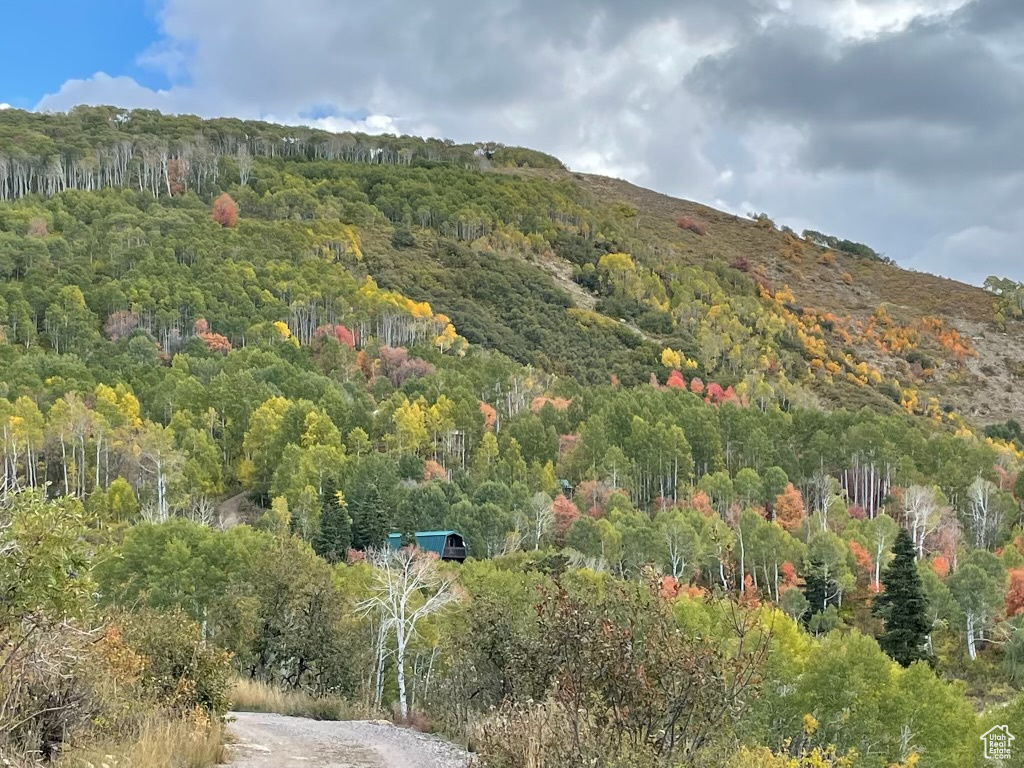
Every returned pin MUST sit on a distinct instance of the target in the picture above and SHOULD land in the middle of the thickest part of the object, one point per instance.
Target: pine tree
(369, 520)
(818, 588)
(334, 538)
(903, 606)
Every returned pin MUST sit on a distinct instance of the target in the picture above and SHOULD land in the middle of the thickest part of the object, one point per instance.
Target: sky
(897, 123)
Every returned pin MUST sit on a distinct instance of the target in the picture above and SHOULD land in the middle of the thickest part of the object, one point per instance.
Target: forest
(707, 524)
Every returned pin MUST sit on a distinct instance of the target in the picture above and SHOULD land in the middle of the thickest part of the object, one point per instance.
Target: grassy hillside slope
(982, 383)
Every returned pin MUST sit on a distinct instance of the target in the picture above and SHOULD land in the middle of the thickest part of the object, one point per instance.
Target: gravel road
(276, 741)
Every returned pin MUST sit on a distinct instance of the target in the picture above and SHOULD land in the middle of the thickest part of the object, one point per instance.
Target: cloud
(597, 83)
(922, 121)
(894, 122)
(101, 88)
(931, 100)
(4, 105)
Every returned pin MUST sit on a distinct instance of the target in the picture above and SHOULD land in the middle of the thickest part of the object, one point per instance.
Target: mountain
(335, 338)
(936, 336)
(520, 253)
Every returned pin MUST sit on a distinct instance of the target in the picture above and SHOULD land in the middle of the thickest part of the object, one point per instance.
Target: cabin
(448, 545)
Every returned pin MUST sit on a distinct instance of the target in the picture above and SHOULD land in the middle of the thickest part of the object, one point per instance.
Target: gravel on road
(275, 741)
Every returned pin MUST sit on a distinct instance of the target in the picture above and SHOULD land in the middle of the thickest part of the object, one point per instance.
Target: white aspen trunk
(743, 562)
(161, 490)
(972, 650)
(400, 642)
(378, 686)
(64, 462)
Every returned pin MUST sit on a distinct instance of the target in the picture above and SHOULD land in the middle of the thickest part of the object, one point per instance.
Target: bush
(696, 226)
(181, 671)
(403, 238)
(921, 358)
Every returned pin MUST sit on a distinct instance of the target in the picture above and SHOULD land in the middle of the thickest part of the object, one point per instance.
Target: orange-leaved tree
(789, 509)
(224, 210)
(1015, 594)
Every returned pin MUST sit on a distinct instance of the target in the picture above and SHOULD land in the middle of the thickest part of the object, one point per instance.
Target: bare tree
(542, 518)
(921, 513)
(201, 510)
(408, 586)
(244, 164)
(985, 511)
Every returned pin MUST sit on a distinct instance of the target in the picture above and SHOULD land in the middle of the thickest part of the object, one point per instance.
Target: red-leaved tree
(225, 210)
(789, 576)
(861, 557)
(714, 393)
(215, 342)
(566, 514)
(432, 470)
(339, 332)
(1015, 594)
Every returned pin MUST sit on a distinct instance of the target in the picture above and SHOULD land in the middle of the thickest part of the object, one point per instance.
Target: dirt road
(275, 741)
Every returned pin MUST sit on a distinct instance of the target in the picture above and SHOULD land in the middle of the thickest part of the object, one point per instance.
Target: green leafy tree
(977, 586)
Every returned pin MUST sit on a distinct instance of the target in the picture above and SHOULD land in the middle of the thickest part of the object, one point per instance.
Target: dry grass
(162, 742)
(254, 696)
(541, 735)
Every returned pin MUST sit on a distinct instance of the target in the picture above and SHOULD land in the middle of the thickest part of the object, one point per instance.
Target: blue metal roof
(432, 541)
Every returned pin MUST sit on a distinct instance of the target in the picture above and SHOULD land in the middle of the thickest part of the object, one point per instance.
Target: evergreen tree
(334, 538)
(369, 520)
(903, 606)
(819, 589)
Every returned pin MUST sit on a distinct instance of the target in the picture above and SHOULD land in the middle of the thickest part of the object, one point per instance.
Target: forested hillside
(701, 463)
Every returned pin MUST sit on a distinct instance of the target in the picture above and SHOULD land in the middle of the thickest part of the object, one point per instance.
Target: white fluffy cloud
(860, 117)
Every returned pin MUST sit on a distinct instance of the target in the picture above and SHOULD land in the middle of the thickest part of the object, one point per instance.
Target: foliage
(70, 677)
(391, 338)
(902, 606)
(225, 210)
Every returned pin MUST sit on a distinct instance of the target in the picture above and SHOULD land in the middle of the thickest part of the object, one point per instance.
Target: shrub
(921, 358)
(696, 226)
(403, 238)
(181, 671)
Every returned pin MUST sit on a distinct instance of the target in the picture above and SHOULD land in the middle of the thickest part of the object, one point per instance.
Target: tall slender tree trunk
(972, 649)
